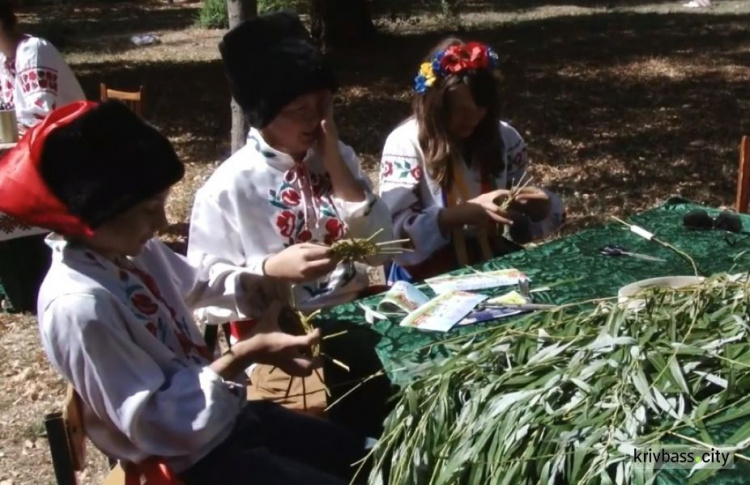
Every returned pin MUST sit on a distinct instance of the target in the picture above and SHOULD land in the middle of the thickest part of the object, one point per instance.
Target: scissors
(621, 251)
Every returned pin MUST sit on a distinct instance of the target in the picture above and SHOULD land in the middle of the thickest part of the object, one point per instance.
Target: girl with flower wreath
(276, 205)
(446, 170)
(115, 316)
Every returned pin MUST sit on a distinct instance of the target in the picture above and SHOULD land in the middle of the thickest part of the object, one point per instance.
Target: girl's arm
(544, 208)
(39, 73)
(401, 173)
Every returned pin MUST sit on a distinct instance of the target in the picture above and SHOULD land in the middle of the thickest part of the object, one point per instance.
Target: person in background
(34, 78)
(277, 205)
(115, 317)
(447, 169)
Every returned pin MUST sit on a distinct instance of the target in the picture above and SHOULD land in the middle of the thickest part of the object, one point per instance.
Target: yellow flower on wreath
(429, 75)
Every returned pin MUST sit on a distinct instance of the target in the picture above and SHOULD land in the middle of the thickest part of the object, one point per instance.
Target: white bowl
(627, 293)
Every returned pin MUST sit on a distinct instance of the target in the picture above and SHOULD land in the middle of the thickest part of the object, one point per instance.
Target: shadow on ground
(633, 106)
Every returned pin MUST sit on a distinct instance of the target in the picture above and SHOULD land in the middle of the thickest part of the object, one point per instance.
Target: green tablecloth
(402, 352)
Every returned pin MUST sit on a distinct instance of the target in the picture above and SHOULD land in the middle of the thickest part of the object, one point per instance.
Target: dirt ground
(623, 103)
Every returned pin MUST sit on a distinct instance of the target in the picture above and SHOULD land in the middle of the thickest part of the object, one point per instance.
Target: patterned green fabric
(402, 352)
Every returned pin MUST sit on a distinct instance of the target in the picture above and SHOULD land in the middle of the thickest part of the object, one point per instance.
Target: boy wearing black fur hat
(115, 315)
(274, 206)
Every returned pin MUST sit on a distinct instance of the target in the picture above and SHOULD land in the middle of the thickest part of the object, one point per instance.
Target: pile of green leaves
(566, 396)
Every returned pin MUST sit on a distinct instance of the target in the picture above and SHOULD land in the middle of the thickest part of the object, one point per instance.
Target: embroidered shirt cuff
(424, 231)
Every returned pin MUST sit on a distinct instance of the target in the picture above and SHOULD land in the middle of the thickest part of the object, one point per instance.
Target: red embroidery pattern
(10, 224)
(335, 229)
(401, 170)
(416, 173)
(144, 304)
(286, 222)
(387, 169)
(38, 79)
(290, 197)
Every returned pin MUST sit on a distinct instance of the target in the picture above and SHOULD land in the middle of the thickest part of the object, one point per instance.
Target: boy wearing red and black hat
(115, 314)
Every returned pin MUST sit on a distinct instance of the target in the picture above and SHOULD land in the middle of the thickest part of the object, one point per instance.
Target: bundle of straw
(568, 397)
(504, 201)
(295, 322)
(358, 249)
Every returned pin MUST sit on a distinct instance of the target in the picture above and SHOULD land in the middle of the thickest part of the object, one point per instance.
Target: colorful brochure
(476, 281)
(443, 312)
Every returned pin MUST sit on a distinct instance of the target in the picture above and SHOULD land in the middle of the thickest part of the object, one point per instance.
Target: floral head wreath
(454, 60)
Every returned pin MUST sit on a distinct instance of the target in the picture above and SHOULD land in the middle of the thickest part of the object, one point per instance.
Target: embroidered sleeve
(400, 178)
(87, 338)
(38, 67)
(516, 153)
(216, 248)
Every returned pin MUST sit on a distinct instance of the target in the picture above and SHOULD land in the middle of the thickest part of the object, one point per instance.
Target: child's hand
(329, 135)
(269, 345)
(533, 202)
(300, 262)
(479, 211)
(492, 212)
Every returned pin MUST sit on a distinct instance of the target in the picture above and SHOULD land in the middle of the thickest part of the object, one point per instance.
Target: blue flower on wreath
(494, 58)
(436, 66)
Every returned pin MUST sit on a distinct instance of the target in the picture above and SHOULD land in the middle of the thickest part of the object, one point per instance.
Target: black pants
(271, 445)
(24, 262)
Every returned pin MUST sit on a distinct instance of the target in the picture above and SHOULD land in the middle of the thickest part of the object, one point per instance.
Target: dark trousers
(24, 262)
(271, 445)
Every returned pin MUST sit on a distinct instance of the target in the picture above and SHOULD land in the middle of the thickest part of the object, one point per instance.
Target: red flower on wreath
(290, 197)
(457, 58)
(335, 229)
(286, 222)
(478, 56)
(144, 304)
(416, 172)
(388, 170)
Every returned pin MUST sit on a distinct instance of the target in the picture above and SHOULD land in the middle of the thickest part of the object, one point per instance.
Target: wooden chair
(67, 440)
(133, 99)
(67, 443)
(743, 177)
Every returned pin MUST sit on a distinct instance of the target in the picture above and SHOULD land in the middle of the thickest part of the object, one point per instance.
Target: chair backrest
(67, 443)
(67, 439)
(743, 177)
(133, 99)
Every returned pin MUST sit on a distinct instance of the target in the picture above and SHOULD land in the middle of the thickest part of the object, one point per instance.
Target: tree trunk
(238, 11)
(337, 23)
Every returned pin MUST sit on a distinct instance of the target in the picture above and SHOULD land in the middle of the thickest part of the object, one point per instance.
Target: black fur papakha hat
(106, 161)
(270, 60)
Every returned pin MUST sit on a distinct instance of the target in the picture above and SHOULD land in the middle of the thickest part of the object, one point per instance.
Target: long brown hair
(484, 146)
